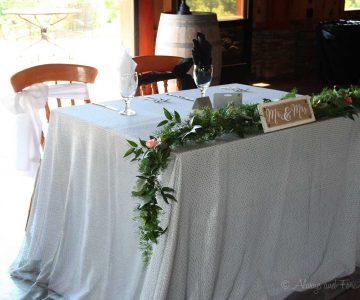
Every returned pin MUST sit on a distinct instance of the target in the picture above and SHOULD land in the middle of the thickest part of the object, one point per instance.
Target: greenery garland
(204, 125)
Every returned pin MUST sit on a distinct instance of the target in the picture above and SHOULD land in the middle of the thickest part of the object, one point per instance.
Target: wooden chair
(153, 69)
(53, 73)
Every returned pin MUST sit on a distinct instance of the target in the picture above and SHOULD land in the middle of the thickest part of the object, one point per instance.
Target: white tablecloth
(256, 218)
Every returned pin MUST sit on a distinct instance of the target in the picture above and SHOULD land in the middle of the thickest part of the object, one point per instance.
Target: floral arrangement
(204, 125)
(332, 103)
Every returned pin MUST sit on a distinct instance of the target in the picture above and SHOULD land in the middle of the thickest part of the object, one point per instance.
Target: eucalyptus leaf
(167, 114)
(143, 143)
(177, 117)
(164, 196)
(132, 143)
(162, 123)
(127, 153)
(170, 197)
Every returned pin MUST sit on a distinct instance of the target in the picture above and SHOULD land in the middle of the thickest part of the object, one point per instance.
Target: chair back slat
(156, 63)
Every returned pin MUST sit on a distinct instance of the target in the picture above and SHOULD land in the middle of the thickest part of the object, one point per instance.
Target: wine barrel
(176, 33)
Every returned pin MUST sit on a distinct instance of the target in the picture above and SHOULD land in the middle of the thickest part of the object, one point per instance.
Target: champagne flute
(202, 77)
(128, 86)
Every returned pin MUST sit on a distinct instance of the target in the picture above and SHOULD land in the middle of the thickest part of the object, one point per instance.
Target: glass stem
(127, 104)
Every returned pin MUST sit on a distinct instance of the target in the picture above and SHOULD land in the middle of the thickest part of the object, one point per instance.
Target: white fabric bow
(25, 106)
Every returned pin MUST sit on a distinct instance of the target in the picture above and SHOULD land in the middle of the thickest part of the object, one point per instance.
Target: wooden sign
(286, 113)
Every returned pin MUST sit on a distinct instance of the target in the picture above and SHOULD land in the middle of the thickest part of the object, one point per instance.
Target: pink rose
(348, 99)
(151, 143)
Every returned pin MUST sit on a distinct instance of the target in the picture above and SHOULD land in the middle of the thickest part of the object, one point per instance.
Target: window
(89, 32)
(225, 9)
(352, 4)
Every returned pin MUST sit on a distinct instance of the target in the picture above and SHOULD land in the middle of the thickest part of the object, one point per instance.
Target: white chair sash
(77, 91)
(25, 106)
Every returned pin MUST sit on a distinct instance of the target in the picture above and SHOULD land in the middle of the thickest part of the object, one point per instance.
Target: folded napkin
(179, 71)
(126, 64)
(201, 51)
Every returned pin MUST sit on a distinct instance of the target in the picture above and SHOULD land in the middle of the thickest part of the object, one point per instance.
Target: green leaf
(177, 117)
(162, 123)
(167, 114)
(143, 143)
(164, 197)
(167, 189)
(143, 205)
(193, 130)
(291, 94)
(132, 143)
(137, 154)
(137, 193)
(127, 153)
(170, 197)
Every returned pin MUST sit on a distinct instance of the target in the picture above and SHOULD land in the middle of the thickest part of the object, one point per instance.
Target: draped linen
(254, 219)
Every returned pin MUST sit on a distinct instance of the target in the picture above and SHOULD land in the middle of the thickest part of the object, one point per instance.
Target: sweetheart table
(256, 218)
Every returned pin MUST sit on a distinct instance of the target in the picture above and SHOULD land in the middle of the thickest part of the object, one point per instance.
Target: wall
(283, 41)
(128, 31)
(283, 37)
(149, 12)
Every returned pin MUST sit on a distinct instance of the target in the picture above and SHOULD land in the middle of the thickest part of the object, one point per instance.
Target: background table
(43, 19)
(255, 217)
(34, 13)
